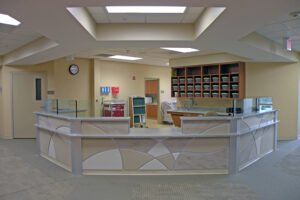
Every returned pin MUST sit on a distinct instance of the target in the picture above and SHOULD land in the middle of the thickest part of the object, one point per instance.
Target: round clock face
(73, 69)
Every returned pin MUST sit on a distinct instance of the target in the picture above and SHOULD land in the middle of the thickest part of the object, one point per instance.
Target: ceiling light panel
(179, 49)
(145, 9)
(120, 57)
(6, 19)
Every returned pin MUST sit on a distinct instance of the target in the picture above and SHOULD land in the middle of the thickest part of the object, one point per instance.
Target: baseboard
(287, 138)
(4, 137)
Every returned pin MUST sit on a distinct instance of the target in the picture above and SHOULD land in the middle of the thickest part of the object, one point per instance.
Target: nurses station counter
(203, 145)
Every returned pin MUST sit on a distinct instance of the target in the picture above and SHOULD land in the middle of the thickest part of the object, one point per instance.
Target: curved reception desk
(203, 145)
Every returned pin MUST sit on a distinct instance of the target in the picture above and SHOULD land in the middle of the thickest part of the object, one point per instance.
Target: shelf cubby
(205, 81)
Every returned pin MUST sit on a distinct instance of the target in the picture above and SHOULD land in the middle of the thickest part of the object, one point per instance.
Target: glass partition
(71, 108)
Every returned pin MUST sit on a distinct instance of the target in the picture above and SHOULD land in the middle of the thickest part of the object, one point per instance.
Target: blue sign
(105, 90)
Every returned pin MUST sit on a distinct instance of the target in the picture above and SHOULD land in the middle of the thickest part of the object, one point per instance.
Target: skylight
(145, 9)
(119, 57)
(179, 49)
(6, 19)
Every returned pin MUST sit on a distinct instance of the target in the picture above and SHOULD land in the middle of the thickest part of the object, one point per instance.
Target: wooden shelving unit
(222, 80)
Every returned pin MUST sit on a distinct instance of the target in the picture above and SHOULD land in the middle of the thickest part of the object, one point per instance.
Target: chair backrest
(210, 113)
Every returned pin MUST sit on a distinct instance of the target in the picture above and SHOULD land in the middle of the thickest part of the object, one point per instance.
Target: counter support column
(76, 155)
(234, 147)
(76, 151)
(37, 140)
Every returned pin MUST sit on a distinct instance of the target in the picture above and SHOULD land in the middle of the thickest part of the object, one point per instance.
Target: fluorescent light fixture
(6, 19)
(124, 57)
(145, 9)
(181, 50)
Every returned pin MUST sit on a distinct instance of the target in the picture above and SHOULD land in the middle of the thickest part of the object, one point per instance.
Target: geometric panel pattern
(205, 126)
(255, 144)
(152, 154)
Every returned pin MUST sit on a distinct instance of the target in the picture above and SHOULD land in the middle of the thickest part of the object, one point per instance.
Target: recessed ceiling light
(124, 57)
(145, 9)
(6, 19)
(179, 49)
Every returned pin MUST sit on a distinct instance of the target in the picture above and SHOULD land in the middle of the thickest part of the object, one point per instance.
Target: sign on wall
(105, 90)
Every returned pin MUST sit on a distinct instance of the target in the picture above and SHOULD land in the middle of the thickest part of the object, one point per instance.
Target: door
(28, 92)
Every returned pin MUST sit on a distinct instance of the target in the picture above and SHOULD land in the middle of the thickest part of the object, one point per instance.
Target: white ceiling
(100, 15)
(13, 37)
(51, 19)
(152, 56)
(284, 27)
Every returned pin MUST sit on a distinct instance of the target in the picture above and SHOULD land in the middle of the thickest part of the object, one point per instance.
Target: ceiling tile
(126, 18)
(164, 18)
(295, 23)
(272, 28)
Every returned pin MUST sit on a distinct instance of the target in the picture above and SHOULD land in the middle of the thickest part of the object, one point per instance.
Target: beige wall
(86, 84)
(120, 74)
(281, 81)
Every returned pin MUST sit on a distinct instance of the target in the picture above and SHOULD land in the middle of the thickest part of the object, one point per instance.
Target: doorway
(28, 92)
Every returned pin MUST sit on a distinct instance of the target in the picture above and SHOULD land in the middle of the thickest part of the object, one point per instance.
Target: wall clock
(73, 69)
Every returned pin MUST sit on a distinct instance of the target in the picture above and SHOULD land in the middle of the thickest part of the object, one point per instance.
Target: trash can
(235, 95)
(215, 79)
(235, 78)
(206, 79)
(189, 80)
(234, 86)
(224, 78)
(205, 87)
(198, 80)
(224, 94)
(224, 87)
(190, 94)
(215, 87)
(197, 94)
(197, 87)
(215, 94)
(205, 94)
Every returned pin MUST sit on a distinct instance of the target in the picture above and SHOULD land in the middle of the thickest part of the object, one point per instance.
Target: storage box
(206, 79)
(224, 95)
(190, 80)
(174, 80)
(205, 94)
(215, 94)
(235, 78)
(197, 87)
(215, 79)
(190, 87)
(190, 94)
(182, 94)
(175, 87)
(197, 94)
(235, 95)
(224, 78)
(197, 80)
(205, 87)
(215, 87)
(182, 87)
(182, 80)
(234, 87)
(224, 87)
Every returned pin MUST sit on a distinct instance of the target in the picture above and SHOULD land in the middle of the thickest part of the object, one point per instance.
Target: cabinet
(222, 80)
(151, 86)
(151, 111)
